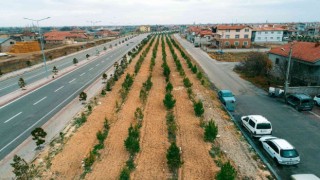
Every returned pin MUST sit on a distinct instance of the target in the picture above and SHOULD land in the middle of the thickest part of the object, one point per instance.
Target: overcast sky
(150, 12)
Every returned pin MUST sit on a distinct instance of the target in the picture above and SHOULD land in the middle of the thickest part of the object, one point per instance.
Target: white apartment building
(267, 34)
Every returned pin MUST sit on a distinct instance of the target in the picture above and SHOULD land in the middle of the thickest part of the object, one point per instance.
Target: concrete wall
(310, 90)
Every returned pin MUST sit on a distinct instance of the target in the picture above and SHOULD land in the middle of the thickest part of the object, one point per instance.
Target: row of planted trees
(210, 129)
(173, 155)
(132, 142)
(102, 134)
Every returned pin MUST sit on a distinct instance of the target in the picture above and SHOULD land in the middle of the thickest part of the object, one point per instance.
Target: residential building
(144, 28)
(64, 37)
(305, 69)
(6, 44)
(192, 32)
(106, 33)
(233, 36)
(267, 34)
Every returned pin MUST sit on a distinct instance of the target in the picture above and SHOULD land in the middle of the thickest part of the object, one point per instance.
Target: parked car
(225, 96)
(300, 101)
(304, 177)
(280, 150)
(316, 100)
(257, 125)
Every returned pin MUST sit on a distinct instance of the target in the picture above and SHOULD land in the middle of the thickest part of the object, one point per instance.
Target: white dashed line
(13, 117)
(58, 88)
(72, 80)
(314, 114)
(90, 69)
(39, 101)
(97, 64)
(82, 74)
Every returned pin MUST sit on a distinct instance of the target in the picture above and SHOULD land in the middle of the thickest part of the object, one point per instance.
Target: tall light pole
(92, 24)
(286, 83)
(41, 42)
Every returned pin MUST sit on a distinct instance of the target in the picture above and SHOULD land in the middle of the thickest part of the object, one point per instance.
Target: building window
(271, 37)
(237, 30)
(245, 43)
(246, 30)
(278, 38)
(228, 30)
(227, 43)
(272, 32)
(236, 43)
(266, 32)
(259, 38)
(266, 38)
(237, 36)
(279, 32)
(259, 32)
(227, 36)
(277, 60)
(246, 36)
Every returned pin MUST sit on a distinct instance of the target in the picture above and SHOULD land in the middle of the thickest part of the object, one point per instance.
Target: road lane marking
(97, 65)
(82, 74)
(6, 87)
(102, 61)
(58, 88)
(72, 80)
(90, 69)
(39, 101)
(13, 117)
(314, 114)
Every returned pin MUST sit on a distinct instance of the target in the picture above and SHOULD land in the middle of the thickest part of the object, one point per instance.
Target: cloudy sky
(137, 12)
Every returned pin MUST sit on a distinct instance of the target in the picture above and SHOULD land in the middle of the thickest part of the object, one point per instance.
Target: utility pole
(41, 42)
(286, 83)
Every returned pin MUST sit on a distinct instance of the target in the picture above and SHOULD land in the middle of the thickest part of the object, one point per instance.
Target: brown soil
(114, 155)
(230, 57)
(151, 161)
(68, 163)
(231, 142)
(195, 152)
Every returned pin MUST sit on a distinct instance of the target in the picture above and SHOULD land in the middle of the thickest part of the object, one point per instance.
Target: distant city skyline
(152, 12)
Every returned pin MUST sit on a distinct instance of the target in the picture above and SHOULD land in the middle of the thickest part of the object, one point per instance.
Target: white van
(257, 125)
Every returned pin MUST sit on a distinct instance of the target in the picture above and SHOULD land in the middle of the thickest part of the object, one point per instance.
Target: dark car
(300, 101)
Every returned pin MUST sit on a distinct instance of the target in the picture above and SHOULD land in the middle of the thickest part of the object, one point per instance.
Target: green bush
(198, 108)
(132, 141)
(130, 164)
(169, 87)
(199, 75)
(187, 82)
(227, 172)
(210, 131)
(125, 174)
(169, 101)
(173, 157)
(194, 69)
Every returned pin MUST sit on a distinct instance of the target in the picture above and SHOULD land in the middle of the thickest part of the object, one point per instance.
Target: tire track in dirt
(151, 161)
(67, 164)
(114, 155)
(229, 140)
(197, 163)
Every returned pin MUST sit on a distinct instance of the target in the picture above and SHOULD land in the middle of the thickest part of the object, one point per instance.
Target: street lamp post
(41, 42)
(92, 24)
(286, 83)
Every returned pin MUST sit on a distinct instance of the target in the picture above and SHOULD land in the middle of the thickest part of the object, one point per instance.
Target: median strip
(13, 117)
(39, 100)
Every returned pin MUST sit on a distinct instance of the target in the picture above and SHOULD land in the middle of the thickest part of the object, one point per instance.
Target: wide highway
(18, 118)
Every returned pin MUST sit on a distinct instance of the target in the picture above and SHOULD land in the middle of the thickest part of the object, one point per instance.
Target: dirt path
(67, 164)
(229, 141)
(151, 161)
(197, 162)
(114, 155)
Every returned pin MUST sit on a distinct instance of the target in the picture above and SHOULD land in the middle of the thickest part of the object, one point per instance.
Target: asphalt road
(11, 84)
(301, 129)
(20, 117)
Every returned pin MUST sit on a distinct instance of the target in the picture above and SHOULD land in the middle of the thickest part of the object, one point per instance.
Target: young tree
(83, 97)
(169, 101)
(108, 86)
(227, 172)
(169, 87)
(39, 136)
(210, 131)
(198, 108)
(173, 157)
(1, 72)
(21, 83)
(28, 63)
(75, 61)
(55, 70)
(132, 142)
(87, 56)
(20, 167)
(104, 48)
(104, 77)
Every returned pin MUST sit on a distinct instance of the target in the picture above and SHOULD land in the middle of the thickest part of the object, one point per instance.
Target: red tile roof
(305, 51)
(194, 29)
(233, 27)
(205, 32)
(61, 35)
